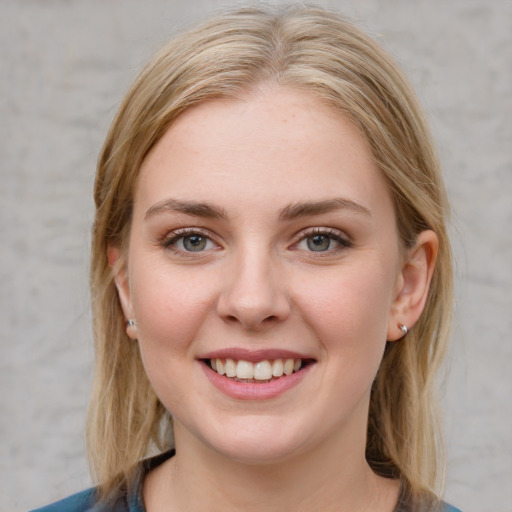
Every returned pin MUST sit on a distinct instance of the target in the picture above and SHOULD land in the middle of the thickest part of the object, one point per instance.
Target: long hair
(307, 49)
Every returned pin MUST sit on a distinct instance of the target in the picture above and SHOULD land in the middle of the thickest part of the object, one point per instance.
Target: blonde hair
(318, 52)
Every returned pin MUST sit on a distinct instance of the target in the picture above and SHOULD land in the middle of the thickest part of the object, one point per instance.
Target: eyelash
(170, 241)
(332, 234)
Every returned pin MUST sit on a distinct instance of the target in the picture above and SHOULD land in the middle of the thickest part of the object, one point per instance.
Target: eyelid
(340, 236)
(173, 236)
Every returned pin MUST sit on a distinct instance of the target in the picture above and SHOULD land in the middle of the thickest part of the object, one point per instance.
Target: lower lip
(252, 390)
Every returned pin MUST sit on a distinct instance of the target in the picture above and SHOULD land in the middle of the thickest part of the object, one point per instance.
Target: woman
(271, 275)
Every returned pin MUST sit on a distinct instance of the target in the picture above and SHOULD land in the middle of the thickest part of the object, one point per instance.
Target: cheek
(349, 307)
(170, 306)
(170, 309)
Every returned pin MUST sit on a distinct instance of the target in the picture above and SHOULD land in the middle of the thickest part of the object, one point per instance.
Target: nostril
(234, 318)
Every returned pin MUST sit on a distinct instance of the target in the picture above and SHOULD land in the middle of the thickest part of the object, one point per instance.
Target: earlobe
(117, 262)
(415, 277)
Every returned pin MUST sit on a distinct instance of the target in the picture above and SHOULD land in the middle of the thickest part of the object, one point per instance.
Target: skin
(258, 285)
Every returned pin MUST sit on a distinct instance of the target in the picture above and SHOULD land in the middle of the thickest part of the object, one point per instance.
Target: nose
(253, 294)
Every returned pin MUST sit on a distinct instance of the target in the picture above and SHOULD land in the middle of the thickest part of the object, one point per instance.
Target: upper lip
(244, 354)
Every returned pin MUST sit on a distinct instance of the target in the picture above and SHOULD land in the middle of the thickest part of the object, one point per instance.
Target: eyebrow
(197, 209)
(296, 210)
(289, 212)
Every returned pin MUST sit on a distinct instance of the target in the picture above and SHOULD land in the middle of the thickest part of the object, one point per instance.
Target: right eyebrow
(296, 210)
(194, 208)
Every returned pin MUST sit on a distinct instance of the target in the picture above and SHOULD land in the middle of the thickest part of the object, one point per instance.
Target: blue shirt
(129, 497)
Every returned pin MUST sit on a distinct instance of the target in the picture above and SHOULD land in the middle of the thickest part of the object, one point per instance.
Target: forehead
(278, 142)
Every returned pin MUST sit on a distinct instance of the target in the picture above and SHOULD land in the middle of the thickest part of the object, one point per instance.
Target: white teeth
(245, 370)
(288, 366)
(230, 368)
(277, 368)
(220, 367)
(263, 370)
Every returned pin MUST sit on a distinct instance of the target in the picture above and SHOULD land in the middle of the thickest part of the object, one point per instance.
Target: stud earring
(404, 329)
(130, 323)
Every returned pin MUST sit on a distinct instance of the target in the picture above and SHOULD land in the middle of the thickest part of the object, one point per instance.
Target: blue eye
(322, 240)
(189, 242)
(194, 243)
(319, 243)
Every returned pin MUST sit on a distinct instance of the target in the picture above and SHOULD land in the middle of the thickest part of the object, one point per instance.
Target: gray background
(64, 68)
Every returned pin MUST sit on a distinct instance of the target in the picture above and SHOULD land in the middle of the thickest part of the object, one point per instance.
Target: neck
(198, 479)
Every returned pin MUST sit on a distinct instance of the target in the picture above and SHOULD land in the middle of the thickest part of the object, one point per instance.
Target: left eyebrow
(296, 210)
(193, 208)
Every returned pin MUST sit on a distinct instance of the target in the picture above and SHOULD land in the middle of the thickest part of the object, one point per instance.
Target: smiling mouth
(266, 370)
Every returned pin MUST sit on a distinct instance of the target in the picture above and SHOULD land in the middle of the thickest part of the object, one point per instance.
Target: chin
(257, 454)
(258, 445)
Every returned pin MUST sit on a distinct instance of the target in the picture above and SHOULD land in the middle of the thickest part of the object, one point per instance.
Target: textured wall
(64, 65)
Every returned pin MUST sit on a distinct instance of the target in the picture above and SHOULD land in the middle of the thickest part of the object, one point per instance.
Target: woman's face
(263, 238)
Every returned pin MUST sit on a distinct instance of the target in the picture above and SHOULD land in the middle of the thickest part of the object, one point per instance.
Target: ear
(117, 262)
(413, 284)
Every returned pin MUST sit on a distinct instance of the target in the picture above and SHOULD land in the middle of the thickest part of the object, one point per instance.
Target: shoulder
(127, 497)
(450, 508)
(80, 502)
